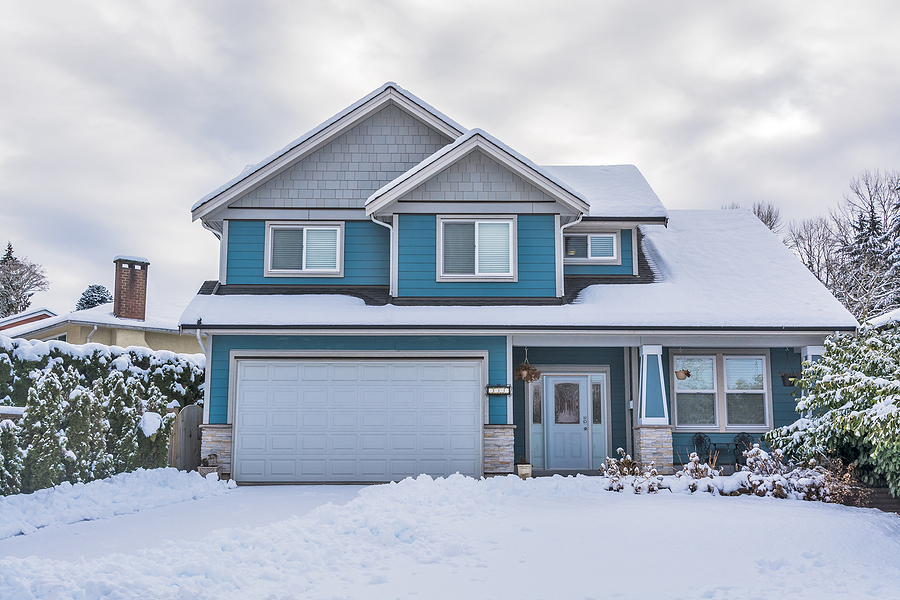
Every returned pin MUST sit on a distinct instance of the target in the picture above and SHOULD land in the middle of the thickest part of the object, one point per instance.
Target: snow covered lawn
(499, 538)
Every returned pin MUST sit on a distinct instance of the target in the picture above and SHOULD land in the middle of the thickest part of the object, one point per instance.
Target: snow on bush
(623, 472)
(850, 409)
(118, 495)
(178, 376)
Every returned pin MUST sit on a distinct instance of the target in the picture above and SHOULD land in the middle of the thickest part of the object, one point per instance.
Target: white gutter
(560, 255)
(88, 340)
(390, 228)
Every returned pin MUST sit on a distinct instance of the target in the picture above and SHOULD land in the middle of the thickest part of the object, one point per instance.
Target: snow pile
(104, 498)
(505, 538)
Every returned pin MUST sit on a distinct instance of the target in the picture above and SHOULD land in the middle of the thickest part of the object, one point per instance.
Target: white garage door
(343, 420)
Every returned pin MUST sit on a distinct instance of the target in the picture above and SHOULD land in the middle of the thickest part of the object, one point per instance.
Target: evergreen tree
(154, 449)
(78, 436)
(122, 409)
(94, 295)
(98, 432)
(19, 280)
(11, 465)
(44, 438)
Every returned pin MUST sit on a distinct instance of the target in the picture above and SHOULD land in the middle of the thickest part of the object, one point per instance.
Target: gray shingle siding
(476, 178)
(346, 171)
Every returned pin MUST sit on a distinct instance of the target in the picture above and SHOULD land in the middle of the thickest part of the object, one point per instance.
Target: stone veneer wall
(499, 449)
(653, 444)
(217, 439)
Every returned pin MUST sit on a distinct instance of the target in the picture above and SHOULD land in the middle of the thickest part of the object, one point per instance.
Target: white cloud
(116, 117)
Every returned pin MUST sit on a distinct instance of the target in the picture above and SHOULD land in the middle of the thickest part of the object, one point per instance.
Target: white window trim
(721, 425)
(616, 259)
(765, 390)
(336, 225)
(513, 276)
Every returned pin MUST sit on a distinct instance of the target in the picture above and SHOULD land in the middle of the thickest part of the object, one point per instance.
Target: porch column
(653, 433)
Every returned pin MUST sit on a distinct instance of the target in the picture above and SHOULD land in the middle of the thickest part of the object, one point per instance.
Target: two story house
(383, 277)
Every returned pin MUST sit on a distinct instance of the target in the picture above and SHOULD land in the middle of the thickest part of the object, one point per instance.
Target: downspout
(202, 345)
(561, 282)
(88, 340)
(390, 228)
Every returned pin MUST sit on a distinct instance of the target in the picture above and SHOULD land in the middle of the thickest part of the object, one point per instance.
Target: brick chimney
(131, 287)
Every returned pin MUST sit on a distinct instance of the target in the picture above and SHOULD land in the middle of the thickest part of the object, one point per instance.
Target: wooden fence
(184, 445)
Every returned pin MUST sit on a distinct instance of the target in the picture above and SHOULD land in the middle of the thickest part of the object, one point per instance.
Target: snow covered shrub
(699, 475)
(11, 466)
(851, 407)
(178, 376)
(768, 475)
(624, 471)
(44, 438)
(154, 427)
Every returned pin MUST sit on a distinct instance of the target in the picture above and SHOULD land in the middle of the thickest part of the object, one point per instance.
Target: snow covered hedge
(178, 376)
(851, 407)
(90, 411)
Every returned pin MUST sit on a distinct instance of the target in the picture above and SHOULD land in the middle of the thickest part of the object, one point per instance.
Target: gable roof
(613, 191)
(24, 317)
(476, 139)
(317, 137)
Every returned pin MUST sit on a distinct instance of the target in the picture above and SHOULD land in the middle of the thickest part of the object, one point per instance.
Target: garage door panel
(357, 420)
(283, 442)
(286, 397)
(253, 419)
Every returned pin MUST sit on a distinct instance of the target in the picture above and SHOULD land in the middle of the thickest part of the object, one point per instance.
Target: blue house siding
(417, 275)
(624, 269)
(366, 256)
(783, 405)
(613, 357)
(222, 345)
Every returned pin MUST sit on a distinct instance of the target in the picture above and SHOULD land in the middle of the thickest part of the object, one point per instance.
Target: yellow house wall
(77, 334)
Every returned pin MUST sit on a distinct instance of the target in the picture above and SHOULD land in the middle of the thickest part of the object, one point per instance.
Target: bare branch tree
(19, 280)
(769, 214)
(814, 242)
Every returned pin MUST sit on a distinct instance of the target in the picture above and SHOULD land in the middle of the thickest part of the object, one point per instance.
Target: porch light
(498, 390)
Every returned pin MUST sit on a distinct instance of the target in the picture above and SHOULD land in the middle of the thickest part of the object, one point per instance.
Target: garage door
(342, 420)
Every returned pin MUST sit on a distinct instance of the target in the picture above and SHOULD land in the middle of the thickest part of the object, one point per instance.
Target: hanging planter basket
(789, 379)
(682, 374)
(527, 373)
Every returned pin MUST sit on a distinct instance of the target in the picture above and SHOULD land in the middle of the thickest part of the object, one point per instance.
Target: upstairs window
(304, 250)
(477, 249)
(592, 247)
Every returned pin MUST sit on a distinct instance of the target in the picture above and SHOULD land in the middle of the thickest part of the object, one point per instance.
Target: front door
(567, 423)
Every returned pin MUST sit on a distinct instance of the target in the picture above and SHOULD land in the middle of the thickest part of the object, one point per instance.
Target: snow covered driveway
(500, 538)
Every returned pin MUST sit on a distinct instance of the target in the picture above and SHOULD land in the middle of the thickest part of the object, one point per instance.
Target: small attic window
(591, 247)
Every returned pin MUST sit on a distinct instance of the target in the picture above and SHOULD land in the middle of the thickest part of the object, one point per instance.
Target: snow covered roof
(613, 191)
(162, 317)
(249, 170)
(462, 145)
(25, 315)
(715, 269)
(885, 319)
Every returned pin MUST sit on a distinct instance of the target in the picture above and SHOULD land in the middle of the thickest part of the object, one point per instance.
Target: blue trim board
(623, 269)
(612, 357)
(367, 258)
(222, 345)
(417, 261)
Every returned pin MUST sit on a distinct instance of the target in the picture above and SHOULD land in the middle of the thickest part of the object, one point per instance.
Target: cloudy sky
(115, 117)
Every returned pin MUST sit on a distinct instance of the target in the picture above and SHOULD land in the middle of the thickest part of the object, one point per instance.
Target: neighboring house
(382, 272)
(128, 321)
(885, 320)
(25, 317)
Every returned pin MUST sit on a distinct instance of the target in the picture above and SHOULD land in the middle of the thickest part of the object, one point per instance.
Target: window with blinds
(477, 248)
(304, 249)
(591, 247)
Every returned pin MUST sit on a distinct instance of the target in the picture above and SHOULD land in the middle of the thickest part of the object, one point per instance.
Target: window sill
(302, 274)
(477, 278)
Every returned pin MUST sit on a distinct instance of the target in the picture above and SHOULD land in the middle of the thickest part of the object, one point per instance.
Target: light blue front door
(567, 423)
